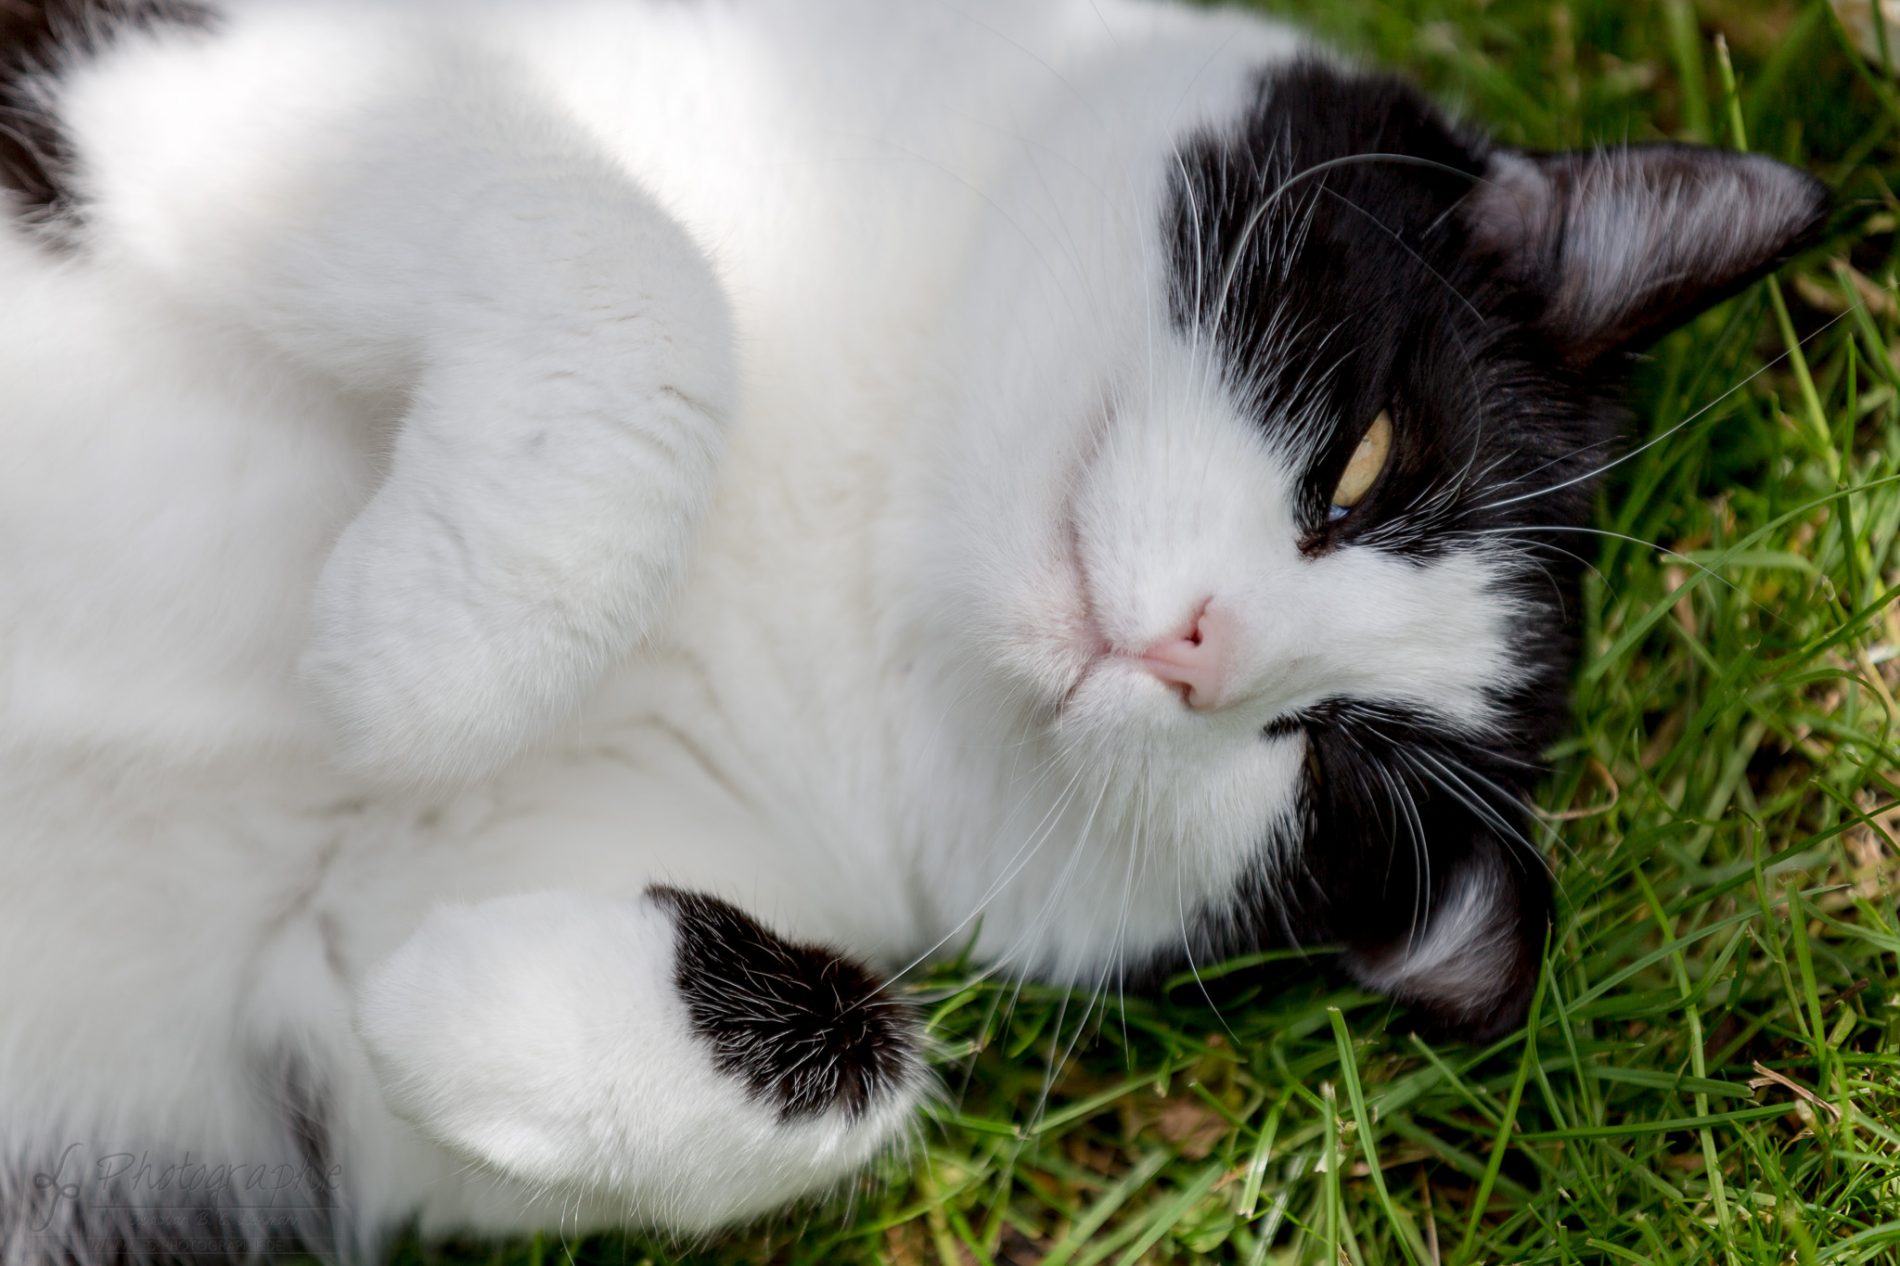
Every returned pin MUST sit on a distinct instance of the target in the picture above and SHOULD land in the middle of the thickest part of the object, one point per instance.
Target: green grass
(1712, 1070)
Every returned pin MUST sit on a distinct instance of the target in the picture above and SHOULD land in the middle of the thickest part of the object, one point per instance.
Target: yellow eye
(1367, 461)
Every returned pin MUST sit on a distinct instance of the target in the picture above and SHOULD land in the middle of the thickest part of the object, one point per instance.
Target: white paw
(557, 458)
(554, 1038)
(440, 647)
(505, 567)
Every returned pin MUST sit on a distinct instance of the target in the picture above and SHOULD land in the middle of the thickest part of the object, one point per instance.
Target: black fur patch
(1400, 808)
(804, 1027)
(1319, 245)
(37, 39)
(1338, 246)
(1357, 290)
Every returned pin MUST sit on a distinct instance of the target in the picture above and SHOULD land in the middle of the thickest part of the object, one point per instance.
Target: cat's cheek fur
(590, 1061)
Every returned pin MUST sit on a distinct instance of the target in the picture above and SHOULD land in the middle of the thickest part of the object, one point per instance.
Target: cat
(551, 552)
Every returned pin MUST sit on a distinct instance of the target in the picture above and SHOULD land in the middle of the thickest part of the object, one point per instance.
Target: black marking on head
(1342, 248)
(1359, 289)
(1471, 969)
(1411, 820)
(1320, 252)
(803, 1027)
(39, 39)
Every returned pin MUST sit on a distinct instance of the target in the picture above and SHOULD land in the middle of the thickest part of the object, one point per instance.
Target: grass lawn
(1712, 1071)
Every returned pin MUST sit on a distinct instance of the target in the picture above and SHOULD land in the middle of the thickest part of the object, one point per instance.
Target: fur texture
(545, 546)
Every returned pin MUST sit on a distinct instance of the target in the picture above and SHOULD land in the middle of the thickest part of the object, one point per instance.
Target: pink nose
(1198, 660)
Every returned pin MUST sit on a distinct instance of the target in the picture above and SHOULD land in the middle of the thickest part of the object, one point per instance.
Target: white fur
(692, 403)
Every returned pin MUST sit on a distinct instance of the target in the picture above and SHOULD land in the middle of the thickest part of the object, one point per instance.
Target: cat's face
(1270, 516)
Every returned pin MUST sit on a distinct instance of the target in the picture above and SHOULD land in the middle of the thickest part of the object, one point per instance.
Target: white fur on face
(1110, 486)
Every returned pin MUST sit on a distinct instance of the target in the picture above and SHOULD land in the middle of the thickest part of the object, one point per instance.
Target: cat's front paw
(542, 497)
(666, 1052)
(436, 660)
(465, 612)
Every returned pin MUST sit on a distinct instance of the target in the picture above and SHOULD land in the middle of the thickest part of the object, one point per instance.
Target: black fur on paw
(806, 1028)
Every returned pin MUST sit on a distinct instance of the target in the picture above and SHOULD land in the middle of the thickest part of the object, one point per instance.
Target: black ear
(1627, 243)
(1471, 967)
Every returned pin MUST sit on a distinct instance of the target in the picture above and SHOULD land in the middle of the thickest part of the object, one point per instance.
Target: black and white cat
(511, 509)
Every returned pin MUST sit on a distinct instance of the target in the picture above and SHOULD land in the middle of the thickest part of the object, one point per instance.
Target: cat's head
(1283, 422)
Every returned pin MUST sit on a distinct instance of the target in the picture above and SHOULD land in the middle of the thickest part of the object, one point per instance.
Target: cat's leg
(409, 218)
(571, 379)
(665, 1057)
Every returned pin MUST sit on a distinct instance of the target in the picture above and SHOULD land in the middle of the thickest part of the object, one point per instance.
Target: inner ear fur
(1626, 243)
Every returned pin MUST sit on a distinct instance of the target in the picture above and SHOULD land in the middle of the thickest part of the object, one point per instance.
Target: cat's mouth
(1084, 638)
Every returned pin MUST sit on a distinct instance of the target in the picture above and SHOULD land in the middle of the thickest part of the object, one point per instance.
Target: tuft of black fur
(804, 1027)
(38, 38)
